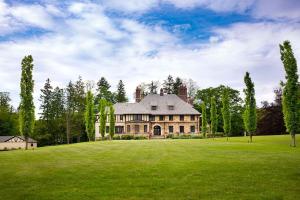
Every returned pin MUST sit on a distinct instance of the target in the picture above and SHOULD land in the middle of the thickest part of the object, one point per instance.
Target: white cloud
(93, 45)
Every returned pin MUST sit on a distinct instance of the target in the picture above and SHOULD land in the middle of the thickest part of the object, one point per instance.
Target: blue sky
(210, 41)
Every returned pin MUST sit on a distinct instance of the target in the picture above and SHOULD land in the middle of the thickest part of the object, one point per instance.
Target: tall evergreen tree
(70, 109)
(291, 97)
(213, 116)
(226, 112)
(58, 112)
(89, 116)
(121, 93)
(46, 103)
(250, 118)
(111, 121)
(103, 91)
(152, 87)
(103, 116)
(168, 85)
(178, 82)
(26, 119)
(204, 119)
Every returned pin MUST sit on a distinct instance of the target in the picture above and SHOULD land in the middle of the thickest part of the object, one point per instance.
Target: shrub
(171, 136)
(140, 137)
(117, 137)
(196, 137)
(127, 137)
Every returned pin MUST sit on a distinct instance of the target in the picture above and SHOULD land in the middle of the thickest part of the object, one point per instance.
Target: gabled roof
(162, 102)
(7, 138)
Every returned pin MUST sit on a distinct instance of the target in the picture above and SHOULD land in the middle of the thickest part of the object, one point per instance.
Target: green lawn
(155, 169)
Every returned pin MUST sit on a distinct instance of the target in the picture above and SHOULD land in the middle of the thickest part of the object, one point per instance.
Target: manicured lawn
(155, 169)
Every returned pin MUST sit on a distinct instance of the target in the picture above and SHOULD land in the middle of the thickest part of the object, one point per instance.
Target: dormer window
(171, 107)
(153, 107)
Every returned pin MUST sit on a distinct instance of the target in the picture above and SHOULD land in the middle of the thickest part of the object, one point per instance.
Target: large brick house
(155, 115)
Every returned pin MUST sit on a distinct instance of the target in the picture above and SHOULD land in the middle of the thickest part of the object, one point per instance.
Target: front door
(157, 130)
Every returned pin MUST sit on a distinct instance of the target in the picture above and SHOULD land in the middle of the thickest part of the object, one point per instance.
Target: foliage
(103, 91)
(250, 118)
(204, 119)
(127, 137)
(111, 121)
(26, 115)
(89, 116)
(270, 117)
(213, 116)
(178, 82)
(226, 112)
(121, 93)
(291, 96)
(168, 85)
(236, 107)
(103, 116)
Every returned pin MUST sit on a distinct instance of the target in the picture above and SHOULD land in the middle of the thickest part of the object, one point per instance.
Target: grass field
(155, 169)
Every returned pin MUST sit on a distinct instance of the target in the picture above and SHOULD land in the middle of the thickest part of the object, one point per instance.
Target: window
(152, 118)
(181, 129)
(145, 129)
(192, 129)
(181, 117)
(137, 117)
(107, 129)
(128, 128)
(171, 107)
(121, 117)
(137, 128)
(161, 118)
(119, 129)
(170, 117)
(171, 129)
(192, 117)
(153, 107)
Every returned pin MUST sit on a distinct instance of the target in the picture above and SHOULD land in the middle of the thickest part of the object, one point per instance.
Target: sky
(212, 42)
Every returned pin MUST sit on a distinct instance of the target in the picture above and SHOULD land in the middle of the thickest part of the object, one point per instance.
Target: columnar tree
(290, 91)
(103, 116)
(250, 106)
(121, 93)
(204, 119)
(226, 112)
(89, 116)
(26, 107)
(111, 121)
(213, 116)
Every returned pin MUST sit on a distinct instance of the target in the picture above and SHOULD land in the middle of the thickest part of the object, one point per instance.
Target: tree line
(68, 114)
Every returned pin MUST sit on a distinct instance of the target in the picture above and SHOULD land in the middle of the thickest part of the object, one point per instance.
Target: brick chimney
(138, 94)
(161, 92)
(182, 93)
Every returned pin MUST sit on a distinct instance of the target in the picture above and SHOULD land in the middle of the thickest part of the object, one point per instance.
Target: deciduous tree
(89, 116)
(250, 107)
(103, 116)
(290, 101)
(226, 113)
(26, 115)
(111, 121)
(213, 117)
(204, 119)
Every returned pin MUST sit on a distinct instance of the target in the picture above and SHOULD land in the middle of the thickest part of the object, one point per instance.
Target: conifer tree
(213, 116)
(226, 112)
(204, 119)
(290, 101)
(121, 93)
(250, 118)
(45, 107)
(89, 116)
(111, 121)
(168, 85)
(26, 116)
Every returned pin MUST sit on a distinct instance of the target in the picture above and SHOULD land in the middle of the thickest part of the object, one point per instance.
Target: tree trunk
(293, 142)
(26, 141)
(250, 134)
(68, 129)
